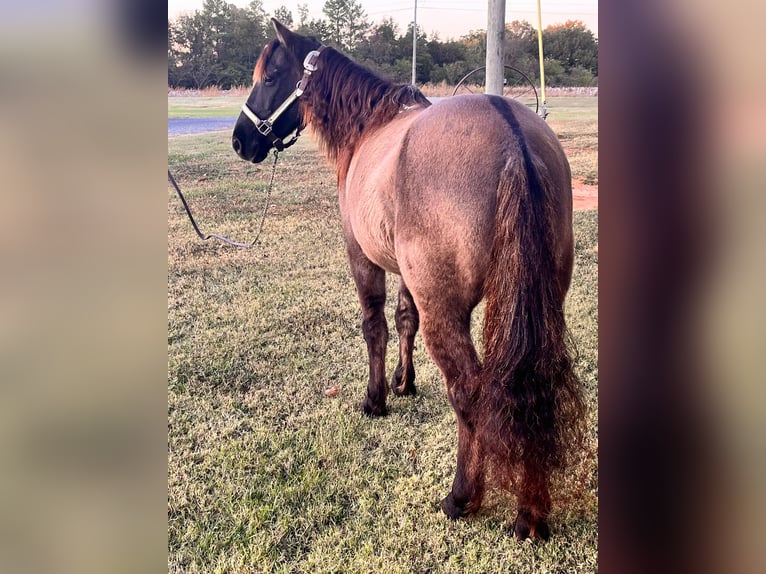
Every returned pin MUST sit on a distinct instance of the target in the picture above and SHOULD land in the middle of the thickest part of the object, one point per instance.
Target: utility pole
(495, 36)
(414, 42)
(543, 110)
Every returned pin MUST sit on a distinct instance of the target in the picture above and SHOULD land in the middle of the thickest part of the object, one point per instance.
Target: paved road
(181, 126)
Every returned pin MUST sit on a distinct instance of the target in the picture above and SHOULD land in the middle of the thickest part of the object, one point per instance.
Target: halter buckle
(309, 62)
(264, 127)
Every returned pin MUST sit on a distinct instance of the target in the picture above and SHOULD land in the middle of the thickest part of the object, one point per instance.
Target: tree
(255, 9)
(196, 50)
(334, 10)
(555, 75)
(284, 15)
(520, 42)
(572, 44)
(217, 14)
(449, 61)
(424, 61)
(249, 33)
(318, 28)
(221, 43)
(218, 45)
(303, 15)
(446, 52)
(347, 22)
(521, 47)
(173, 62)
(380, 47)
(579, 76)
(476, 48)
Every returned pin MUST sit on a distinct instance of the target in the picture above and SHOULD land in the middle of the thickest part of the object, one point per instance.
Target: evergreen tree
(347, 22)
(284, 15)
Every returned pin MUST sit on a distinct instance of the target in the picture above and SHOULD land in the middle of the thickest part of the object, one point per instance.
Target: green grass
(265, 472)
(204, 106)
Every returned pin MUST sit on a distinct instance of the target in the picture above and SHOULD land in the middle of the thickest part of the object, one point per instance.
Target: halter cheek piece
(265, 127)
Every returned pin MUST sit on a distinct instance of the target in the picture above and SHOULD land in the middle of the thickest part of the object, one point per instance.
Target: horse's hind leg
(448, 339)
(371, 287)
(407, 322)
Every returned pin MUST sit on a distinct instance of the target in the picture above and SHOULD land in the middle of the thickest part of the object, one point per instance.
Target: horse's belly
(370, 198)
(374, 232)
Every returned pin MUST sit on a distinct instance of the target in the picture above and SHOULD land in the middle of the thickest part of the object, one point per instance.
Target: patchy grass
(265, 472)
(575, 121)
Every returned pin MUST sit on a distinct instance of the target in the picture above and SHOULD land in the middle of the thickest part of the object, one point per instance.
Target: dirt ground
(584, 196)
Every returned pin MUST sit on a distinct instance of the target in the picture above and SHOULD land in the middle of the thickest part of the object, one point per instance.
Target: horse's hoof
(454, 510)
(372, 410)
(403, 388)
(524, 527)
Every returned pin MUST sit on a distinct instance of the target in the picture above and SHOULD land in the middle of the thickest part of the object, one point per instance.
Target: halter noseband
(265, 127)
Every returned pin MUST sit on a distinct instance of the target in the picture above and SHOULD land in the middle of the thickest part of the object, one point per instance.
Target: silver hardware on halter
(264, 127)
(309, 61)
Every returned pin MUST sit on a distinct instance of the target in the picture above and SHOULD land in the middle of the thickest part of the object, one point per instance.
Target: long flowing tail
(533, 403)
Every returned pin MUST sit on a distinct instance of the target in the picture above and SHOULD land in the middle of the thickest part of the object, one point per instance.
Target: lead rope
(221, 237)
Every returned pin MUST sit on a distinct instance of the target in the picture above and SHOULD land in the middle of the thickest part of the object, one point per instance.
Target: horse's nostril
(236, 144)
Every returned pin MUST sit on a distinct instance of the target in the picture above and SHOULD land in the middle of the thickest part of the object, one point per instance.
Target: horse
(466, 199)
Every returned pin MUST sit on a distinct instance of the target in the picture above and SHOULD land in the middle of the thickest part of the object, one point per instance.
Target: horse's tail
(533, 406)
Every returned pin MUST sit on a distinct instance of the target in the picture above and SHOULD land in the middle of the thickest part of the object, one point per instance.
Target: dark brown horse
(467, 199)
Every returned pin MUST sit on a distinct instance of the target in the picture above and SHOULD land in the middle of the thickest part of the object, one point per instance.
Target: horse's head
(277, 73)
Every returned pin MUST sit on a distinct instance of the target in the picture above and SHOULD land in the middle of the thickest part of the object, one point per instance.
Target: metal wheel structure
(516, 85)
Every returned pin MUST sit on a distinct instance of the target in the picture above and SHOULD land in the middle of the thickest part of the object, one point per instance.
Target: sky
(450, 19)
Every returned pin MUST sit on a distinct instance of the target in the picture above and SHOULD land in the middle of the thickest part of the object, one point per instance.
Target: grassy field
(268, 474)
(204, 106)
(575, 121)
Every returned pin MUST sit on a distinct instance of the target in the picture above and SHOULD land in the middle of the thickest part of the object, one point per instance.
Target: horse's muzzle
(248, 150)
(237, 145)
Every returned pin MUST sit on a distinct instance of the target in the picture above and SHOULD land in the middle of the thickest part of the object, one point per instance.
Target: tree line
(220, 44)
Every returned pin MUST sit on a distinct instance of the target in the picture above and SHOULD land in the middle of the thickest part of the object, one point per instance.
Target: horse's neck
(350, 103)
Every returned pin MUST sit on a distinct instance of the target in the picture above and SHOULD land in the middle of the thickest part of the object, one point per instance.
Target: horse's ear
(294, 43)
(284, 35)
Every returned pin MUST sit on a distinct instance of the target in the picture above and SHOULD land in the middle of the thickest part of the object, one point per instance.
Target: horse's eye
(268, 81)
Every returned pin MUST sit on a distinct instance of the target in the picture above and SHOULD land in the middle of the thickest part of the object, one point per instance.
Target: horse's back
(469, 135)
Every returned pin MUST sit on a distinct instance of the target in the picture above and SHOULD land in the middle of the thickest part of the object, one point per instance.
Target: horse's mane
(344, 100)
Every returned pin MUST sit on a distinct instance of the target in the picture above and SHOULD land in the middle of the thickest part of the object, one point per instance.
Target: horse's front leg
(371, 287)
(407, 323)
